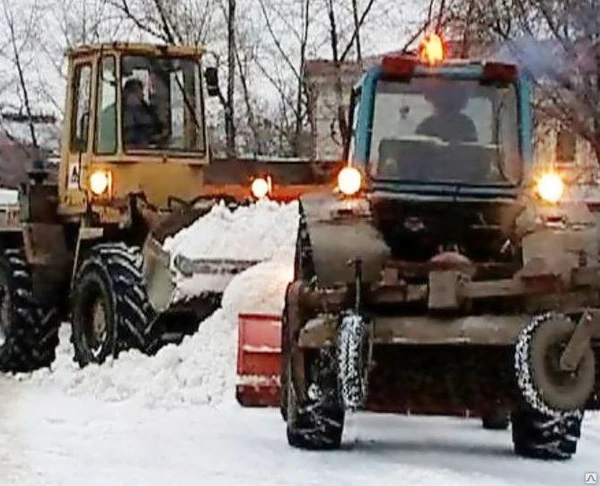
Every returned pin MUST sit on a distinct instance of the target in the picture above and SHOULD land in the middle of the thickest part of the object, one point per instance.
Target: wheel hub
(4, 314)
(98, 328)
(541, 374)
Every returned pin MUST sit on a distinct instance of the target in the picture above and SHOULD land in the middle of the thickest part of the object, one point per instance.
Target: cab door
(77, 136)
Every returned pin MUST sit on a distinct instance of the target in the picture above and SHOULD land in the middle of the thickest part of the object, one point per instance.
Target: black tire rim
(95, 321)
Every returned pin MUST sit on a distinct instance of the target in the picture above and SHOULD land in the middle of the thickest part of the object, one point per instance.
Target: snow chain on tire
(318, 423)
(352, 339)
(540, 436)
(538, 430)
(530, 392)
(33, 335)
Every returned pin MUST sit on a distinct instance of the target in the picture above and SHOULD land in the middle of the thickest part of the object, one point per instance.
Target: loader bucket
(258, 360)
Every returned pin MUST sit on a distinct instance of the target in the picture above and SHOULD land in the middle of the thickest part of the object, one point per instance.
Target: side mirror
(212, 81)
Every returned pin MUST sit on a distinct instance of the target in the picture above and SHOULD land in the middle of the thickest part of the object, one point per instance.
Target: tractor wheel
(110, 308)
(540, 436)
(496, 421)
(353, 352)
(544, 386)
(547, 425)
(28, 330)
(318, 422)
(303, 270)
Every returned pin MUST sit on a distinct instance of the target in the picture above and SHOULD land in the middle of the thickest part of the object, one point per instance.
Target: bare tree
(340, 53)
(291, 23)
(172, 21)
(19, 39)
(231, 63)
(559, 45)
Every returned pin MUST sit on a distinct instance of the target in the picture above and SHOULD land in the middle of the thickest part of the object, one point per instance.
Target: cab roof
(136, 48)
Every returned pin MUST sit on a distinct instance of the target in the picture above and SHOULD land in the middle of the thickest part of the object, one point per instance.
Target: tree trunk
(339, 89)
(229, 109)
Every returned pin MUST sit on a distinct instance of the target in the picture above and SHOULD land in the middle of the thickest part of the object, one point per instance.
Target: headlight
(550, 187)
(260, 187)
(100, 181)
(349, 180)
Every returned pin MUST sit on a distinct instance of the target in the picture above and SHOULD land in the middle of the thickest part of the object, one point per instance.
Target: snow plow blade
(258, 360)
(211, 266)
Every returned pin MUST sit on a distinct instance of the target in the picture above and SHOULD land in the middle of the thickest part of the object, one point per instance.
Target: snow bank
(202, 369)
(263, 231)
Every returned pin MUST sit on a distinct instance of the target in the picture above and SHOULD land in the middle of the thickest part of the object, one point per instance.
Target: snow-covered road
(172, 419)
(48, 438)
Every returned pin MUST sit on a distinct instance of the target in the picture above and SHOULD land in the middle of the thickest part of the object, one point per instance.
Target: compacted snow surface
(172, 418)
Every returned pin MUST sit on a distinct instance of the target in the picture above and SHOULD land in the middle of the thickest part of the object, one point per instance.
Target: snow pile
(263, 231)
(200, 371)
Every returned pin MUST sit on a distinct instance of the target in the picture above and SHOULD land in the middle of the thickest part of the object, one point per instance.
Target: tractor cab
(442, 150)
(424, 124)
(134, 119)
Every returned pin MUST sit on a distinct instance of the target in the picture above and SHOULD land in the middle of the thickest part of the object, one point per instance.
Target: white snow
(200, 371)
(172, 419)
(262, 231)
(47, 438)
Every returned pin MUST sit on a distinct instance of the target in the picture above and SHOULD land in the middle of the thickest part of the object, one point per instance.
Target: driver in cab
(448, 122)
(141, 124)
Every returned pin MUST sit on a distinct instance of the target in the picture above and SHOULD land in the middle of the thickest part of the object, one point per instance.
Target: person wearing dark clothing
(141, 125)
(447, 122)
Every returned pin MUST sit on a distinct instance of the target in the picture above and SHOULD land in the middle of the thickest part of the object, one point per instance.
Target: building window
(566, 147)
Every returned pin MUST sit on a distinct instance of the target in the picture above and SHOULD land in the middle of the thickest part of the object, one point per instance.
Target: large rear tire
(28, 330)
(110, 308)
(318, 422)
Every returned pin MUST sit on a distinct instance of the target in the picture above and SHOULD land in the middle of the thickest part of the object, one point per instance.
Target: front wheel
(316, 423)
(110, 308)
(540, 436)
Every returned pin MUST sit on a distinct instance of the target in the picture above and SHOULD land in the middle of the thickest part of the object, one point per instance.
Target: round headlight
(349, 180)
(99, 182)
(550, 187)
(260, 188)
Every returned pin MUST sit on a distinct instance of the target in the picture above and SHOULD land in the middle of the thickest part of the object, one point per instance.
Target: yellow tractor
(135, 168)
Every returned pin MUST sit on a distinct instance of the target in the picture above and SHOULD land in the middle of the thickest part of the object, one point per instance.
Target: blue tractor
(446, 274)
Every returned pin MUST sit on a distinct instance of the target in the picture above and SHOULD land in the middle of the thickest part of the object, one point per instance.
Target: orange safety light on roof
(431, 50)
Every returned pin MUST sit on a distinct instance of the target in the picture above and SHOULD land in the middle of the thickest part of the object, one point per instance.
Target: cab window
(81, 107)
(106, 125)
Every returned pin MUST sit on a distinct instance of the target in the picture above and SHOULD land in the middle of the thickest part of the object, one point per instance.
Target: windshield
(162, 105)
(443, 130)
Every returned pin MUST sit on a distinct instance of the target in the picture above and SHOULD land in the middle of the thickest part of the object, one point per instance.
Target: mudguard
(340, 231)
(556, 238)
